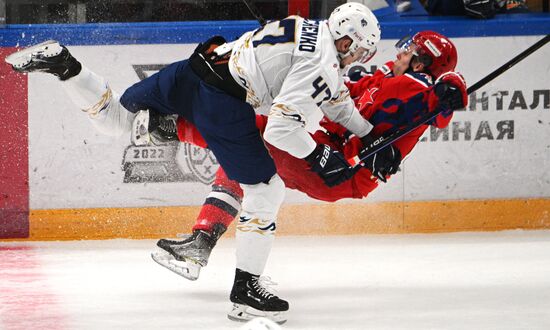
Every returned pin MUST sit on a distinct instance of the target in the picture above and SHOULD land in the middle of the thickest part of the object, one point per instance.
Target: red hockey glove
(383, 163)
(330, 165)
(450, 89)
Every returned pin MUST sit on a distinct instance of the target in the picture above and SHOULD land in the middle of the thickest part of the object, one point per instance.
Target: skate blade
(244, 313)
(188, 269)
(140, 129)
(23, 57)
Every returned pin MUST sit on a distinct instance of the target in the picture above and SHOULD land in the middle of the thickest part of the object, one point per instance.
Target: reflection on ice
(447, 281)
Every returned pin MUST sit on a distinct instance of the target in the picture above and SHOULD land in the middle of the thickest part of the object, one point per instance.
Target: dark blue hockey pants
(227, 124)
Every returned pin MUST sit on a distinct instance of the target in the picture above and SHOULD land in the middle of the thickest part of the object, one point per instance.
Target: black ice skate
(251, 298)
(163, 129)
(49, 57)
(150, 127)
(186, 257)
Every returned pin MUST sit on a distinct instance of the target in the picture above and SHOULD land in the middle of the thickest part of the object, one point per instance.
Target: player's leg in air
(234, 140)
(87, 90)
(92, 94)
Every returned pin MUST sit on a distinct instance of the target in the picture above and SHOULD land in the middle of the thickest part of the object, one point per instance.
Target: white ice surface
(445, 281)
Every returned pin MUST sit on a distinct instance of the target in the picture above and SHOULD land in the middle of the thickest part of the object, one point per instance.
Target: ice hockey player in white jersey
(287, 69)
(290, 69)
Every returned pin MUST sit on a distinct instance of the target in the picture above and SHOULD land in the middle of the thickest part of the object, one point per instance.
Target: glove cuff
(313, 155)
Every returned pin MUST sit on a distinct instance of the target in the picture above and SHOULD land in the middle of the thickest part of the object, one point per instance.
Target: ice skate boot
(251, 298)
(49, 57)
(150, 127)
(163, 129)
(186, 257)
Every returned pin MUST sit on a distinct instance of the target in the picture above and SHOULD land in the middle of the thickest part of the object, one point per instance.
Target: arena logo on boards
(504, 101)
(160, 163)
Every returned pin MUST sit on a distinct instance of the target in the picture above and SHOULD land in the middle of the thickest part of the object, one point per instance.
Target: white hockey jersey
(289, 69)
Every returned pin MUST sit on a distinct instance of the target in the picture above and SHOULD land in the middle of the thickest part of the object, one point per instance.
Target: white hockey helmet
(357, 22)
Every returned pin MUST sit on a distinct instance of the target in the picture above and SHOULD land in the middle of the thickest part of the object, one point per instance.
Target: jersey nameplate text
(308, 38)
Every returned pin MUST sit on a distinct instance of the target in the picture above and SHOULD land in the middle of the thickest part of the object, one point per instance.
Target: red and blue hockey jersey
(387, 101)
(390, 102)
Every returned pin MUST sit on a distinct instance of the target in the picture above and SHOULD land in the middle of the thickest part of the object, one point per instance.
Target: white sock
(254, 240)
(92, 94)
(257, 224)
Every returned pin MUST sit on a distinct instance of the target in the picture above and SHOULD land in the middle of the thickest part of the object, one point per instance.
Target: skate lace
(168, 124)
(263, 285)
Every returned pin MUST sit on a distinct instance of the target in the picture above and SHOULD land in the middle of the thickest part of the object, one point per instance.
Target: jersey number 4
(320, 86)
(277, 32)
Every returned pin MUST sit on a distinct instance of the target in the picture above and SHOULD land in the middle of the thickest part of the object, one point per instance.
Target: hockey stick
(255, 12)
(384, 141)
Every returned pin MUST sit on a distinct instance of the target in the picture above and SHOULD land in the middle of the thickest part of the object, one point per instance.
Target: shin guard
(257, 224)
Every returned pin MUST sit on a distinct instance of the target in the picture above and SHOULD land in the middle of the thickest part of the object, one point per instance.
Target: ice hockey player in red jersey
(422, 78)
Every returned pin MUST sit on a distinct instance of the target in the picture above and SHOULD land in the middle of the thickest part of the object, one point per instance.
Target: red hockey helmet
(434, 50)
(440, 49)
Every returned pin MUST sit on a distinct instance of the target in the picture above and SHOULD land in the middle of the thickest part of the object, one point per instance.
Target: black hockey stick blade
(255, 12)
(384, 141)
